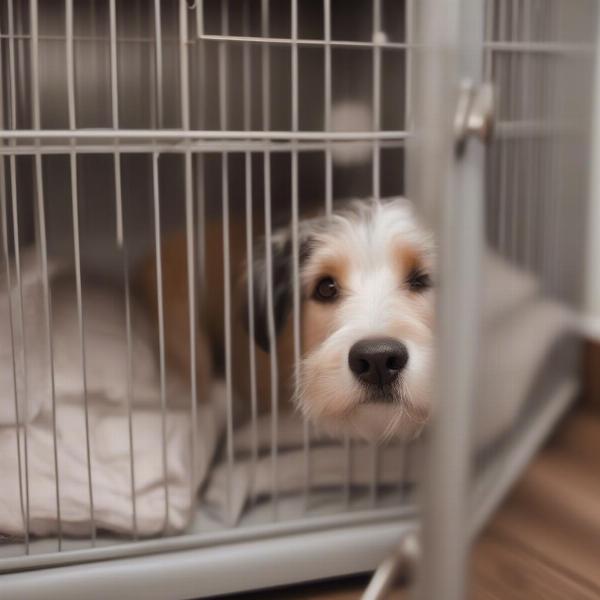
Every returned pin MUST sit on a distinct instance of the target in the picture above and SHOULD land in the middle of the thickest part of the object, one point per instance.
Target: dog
(366, 290)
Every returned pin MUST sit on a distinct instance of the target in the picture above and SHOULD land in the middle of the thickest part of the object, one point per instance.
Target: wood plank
(504, 570)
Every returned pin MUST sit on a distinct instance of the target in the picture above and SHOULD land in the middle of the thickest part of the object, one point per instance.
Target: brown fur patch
(407, 258)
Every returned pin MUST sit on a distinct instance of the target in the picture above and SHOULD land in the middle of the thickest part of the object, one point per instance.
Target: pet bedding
(224, 492)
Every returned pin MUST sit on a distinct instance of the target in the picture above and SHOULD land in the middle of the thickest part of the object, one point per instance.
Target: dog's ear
(281, 270)
(282, 285)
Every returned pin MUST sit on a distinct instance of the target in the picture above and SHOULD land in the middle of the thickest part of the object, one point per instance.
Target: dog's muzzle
(378, 362)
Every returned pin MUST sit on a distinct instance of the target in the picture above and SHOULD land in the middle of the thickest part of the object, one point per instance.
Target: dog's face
(366, 277)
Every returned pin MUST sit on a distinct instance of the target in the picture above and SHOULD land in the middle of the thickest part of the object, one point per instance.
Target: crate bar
(557, 160)
(114, 82)
(17, 255)
(210, 146)
(9, 296)
(457, 25)
(156, 201)
(277, 41)
(178, 134)
(502, 75)
(274, 375)
(200, 83)
(515, 155)
(200, 212)
(296, 254)
(327, 109)
(223, 121)
(408, 61)
(498, 46)
(199, 19)
(114, 89)
(329, 204)
(530, 198)
(546, 166)
(41, 216)
(189, 227)
(247, 100)
(77, 255)
(376, 174)
(161, 329)
(408, 126)
(550, 48)
(159, 67)
(130, 392)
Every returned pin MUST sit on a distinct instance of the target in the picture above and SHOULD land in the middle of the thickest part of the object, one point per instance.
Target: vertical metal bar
(189, 223)
(408, 39)
(515, 178)
(451, 38)
(161, 330)
(374, 468)
(80, 320)
(39, 188)
(159, 62)
(201, 220)
(22, 461)
(114, 87)
(409, 20)
(274, 376)
(296, 249)
(250, 245)
(17, 254)
(504, 63)
(529, 196)
(556, 74)
(347, 489)
(199, 172)
(184, 66)
(223, 105)
(327, 108)
(199, 18)
(11, 318)
(376, 93)
(77, 253)
(130, 392)
(120, 241)
(347, 442)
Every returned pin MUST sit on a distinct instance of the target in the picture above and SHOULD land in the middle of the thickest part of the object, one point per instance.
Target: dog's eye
(419, 280)
(326, 290)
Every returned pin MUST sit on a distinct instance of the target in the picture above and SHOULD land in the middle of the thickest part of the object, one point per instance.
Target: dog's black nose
(377, 361)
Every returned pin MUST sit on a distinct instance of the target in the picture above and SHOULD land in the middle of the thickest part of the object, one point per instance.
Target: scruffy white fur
(369, 241)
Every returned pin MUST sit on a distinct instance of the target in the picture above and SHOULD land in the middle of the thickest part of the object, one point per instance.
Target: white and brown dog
(367, 311)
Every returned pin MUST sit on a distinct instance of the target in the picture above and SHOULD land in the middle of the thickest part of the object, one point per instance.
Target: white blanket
(108, 423)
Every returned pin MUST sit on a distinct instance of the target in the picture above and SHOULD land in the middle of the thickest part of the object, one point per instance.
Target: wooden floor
(544, 542)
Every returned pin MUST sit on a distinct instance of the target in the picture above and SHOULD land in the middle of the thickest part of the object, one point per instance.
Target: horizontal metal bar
(230, 141)
(539, 47)
(207, 572)
(180, 134)
(196, 147)
(314, 43)
(510, 129)
(192, 541)
(319, 43)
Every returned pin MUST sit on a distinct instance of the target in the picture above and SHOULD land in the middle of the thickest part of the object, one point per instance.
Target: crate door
(510, 214)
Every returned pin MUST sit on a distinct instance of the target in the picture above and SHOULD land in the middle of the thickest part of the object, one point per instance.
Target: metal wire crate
(122, 121)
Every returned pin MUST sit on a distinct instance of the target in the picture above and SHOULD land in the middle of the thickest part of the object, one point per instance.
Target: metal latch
(400, 564)
(474, 114)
